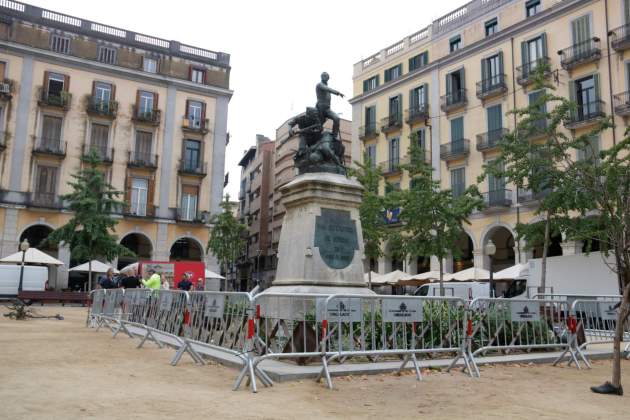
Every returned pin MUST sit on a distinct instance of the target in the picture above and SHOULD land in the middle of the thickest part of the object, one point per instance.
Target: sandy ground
(60, 370)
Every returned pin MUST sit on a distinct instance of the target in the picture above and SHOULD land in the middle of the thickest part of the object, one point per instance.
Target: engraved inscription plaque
(336, 237)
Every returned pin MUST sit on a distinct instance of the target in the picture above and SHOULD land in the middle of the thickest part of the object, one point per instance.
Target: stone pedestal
(321, 244)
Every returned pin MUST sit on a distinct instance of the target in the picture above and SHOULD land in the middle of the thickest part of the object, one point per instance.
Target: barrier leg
(252, 375)
(326, 372)
(150, 335)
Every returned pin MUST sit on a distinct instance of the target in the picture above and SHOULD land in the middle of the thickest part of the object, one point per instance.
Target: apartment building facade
(153, 110)
(452, 85)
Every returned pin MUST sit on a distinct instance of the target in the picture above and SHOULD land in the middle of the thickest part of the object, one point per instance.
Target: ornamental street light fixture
(490, 249)
(24, 246)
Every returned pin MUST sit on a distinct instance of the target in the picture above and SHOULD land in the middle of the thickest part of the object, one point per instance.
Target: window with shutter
(60, 44)
(149, 65)
(51, 132)
(194, 114)
(189, 202)
(458, 181)
(532, 7)
(146, 104)
(495, 124)
(99, 138)
(492, 26)
(192, 155)
(139, 196)
(197, 75)
(106, 55)
(394, 153)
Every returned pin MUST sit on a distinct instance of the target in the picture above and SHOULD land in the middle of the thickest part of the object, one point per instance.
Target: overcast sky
(278, 48)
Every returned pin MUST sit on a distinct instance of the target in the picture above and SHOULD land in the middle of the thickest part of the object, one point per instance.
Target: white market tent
(33, 256)
(518, 271)
(212, 275)
(390, 278)
(469, 274)
(429, 275)
(97, 267)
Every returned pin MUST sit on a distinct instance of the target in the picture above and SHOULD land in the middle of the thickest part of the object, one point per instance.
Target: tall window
(496, 190)
(455, 86)
(45, 184)
(394, 153)
(533, 53)
(393, 73)
(455, 43)
(394, 109)
(149, 65)
(591, 152)
(532, 7)
(55, 84)
(192, 155)
(457, 135)
(60, 44)
(418, 98)
(458, 181)
(371, 83)
(197, 75)
(143, 146)
(145, 104)
(418, 61)
(189, 202)
(370, 119)
(585, 94)
(99, 137)
(421, 138)
(370, 154)
(139, 196)
(533, 99)
(194, 114)
(106, 55)
(492, 26)
(51, 132)
(492, 72)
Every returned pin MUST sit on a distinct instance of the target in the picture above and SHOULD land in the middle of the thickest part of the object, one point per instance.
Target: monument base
(321, 244)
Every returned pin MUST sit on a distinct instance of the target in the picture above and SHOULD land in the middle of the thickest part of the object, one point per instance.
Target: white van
(474, 289)
(35, 278)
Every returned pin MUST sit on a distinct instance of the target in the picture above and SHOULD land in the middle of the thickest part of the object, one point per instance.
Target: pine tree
(89, 232)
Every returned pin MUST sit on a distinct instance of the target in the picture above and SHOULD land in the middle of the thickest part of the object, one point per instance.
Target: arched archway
(186, 248)
(139, 244)
(35, 234)
(503, 239)
(465, 259)
(555, 247)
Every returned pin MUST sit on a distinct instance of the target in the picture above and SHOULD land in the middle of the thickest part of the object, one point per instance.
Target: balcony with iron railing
(6, 89)
(59, 100)
(586, 114)
(492, 86)
(101, 108)
(622, 104)
(146, 116)
(137, 159)
(581, 53)
(50, 147)
(526, 195)
(194, 168)
(391, 123)
(185, 215)
(369, 131)
(140, 210)
(526, 72)
(417, 113)
(104, 154)
(490, 140)
(44, 200)
(497, 198)
(391, 166)
(454, 100)
(620, 37)
(456, 149)
(195, 125)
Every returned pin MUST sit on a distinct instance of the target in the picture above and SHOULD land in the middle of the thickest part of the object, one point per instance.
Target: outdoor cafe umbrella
(422, 278)
(212, 275)
(472, 273)
(97, 267)
(518, 271)
(32, 256)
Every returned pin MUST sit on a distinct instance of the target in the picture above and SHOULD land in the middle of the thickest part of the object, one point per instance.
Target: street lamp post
(490, 250)
(24, 246)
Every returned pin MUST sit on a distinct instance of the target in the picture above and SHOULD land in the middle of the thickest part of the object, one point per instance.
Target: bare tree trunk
(543, 273)
(441, 277)
(624, 310)
(90, 276)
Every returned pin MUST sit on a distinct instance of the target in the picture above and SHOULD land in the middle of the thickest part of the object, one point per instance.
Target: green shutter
(399, 109)
(378, 79)
(412, 95)
(543, 39)
(365, 86)
(524, 53)
(425, 94)
(449, 84)
(485, 71)
(501, 62)
(626, 11)
(457, 128)
(495, 118)
(596, 85)
(463, 79)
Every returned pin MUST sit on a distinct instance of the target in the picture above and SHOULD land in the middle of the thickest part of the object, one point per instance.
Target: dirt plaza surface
(52, 369)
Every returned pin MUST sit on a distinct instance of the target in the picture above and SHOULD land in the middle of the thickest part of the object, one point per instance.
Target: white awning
(518, 271)
(97, 267)
(33, 256)
(472, 273)
(429, 275)
(213, 275)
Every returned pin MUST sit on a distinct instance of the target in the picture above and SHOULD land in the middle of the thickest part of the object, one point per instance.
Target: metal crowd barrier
(508, 325)
(97, 301)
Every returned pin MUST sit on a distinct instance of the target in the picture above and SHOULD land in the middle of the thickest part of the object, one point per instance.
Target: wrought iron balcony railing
(498, 198)
(55, 99)
(142, 160)
(190, 167)
(191, 216)
(196, 125)
(49, 146)
(585, 114)
(6, 89)
(391, 123)
(105, 154)
(455, 150)
(147, 116)
(527, 195)
(622, 104)
(620, 37)
(368, 131)
(581, 53)
(454, 100)
(391, 166)
(45, 200)
(416, 113)
(492, 86)
(525, 73)
(101, 108)
(491, 139)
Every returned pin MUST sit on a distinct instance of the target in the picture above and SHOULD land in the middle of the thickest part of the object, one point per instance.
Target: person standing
(154, 282)
(185, 283)
(107, 281)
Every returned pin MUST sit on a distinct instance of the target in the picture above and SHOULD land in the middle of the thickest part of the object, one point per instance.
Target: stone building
(453, 84)
(154, 110)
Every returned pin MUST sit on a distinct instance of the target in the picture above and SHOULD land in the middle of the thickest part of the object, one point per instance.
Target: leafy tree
(226, 238)
(89, 232)
(432, 217)
(371, 211)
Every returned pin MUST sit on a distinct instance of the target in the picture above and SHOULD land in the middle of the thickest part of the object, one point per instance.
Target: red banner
(174, 271)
